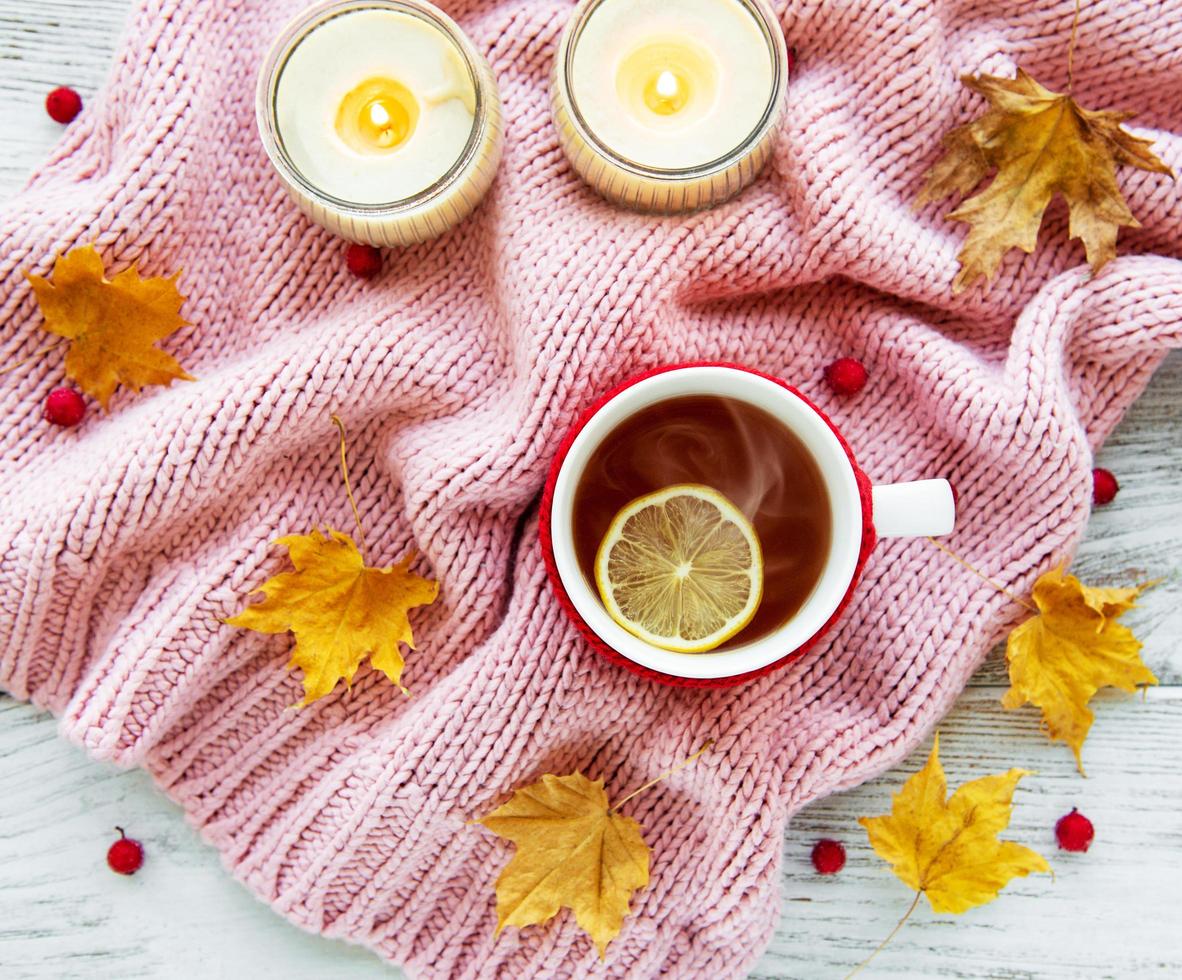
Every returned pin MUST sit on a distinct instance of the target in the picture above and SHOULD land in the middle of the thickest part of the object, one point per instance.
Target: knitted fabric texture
(124, 543)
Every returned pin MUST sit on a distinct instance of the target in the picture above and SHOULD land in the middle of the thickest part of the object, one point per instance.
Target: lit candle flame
(667, 91)
(667, 85)
(378, 115)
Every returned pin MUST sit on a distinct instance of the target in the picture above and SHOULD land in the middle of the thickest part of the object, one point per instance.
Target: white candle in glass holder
(381, 118)
(669, 105)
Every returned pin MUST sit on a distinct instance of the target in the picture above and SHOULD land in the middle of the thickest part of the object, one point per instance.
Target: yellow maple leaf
(339, 610)
(1060, 658)
(1041, 143)
(112, 324)
(948, 849)
(573, 851)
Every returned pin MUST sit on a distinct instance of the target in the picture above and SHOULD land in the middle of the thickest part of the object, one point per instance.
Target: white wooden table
(1114, 912)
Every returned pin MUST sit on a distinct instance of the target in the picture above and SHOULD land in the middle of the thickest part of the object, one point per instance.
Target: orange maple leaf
(573, 850)
(1040, 143)
(112, 324)
(1061, 657)
(339, 609)
(947, 847)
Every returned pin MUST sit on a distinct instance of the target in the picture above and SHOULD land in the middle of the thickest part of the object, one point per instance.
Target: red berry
(125, 856)
(1104, 486)
(64, 407)
(364, 261)
(1074, 832)
(846, 376)
(63, 104)
(828, 856)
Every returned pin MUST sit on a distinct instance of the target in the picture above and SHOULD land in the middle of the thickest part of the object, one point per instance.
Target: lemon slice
(681, 569)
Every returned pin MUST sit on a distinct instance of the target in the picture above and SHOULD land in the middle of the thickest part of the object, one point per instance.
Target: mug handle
(925, 508)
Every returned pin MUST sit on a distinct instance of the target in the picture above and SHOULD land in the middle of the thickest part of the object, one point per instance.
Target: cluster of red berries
(1074, 832)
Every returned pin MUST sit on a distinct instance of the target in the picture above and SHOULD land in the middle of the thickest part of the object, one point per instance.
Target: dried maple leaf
(339, 610)
(1072, 648)
(112, 323)
(1041, 143)
(573, 851)
(948, 849)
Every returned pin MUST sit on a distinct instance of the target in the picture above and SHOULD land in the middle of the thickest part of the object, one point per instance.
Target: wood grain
(1112, 912)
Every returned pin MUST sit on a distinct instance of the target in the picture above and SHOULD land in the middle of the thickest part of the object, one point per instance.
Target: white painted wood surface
(1114, 912)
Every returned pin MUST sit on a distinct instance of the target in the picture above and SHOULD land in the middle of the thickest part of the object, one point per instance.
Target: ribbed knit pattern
(124, 543)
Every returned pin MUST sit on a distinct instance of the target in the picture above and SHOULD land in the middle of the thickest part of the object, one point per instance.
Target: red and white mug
(861, 515)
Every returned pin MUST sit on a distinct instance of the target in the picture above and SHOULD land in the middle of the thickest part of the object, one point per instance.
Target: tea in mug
(746, 455)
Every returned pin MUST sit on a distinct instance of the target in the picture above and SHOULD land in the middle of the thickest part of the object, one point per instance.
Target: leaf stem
(1071, 49)
(665, 775)
(894, 932)
(336, 420)
(983, 577)
(37, 353)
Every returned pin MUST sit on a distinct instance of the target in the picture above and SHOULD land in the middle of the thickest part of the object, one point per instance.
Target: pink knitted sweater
(124, 543)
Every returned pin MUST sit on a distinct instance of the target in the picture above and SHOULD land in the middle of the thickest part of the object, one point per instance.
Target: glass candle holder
(669, 105)
(381, 118)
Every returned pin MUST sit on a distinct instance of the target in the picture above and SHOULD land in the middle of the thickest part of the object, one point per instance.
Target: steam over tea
(742, 452)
